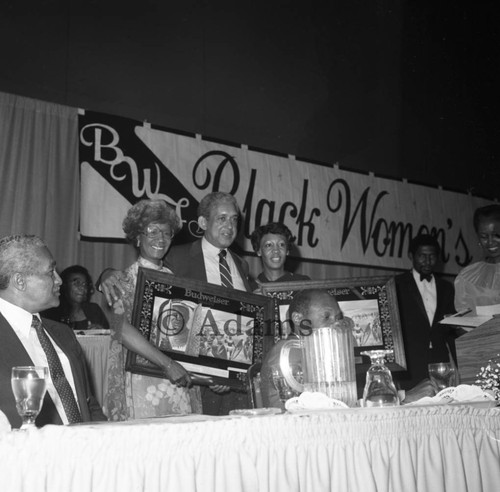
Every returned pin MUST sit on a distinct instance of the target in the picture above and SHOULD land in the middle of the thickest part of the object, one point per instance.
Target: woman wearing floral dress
(150, 226)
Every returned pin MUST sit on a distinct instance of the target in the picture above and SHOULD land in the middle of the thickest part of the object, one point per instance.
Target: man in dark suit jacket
(28, 285)
(423, 301)
(218, 216)
(187, 261)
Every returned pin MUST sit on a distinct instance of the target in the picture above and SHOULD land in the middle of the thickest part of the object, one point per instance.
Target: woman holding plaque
(150, 226)
(478, 284)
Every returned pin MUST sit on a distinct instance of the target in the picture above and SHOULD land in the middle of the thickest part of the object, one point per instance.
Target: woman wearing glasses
(150, 226)
(75, 308)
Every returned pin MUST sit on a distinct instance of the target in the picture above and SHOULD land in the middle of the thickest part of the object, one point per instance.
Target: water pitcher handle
(286, 367)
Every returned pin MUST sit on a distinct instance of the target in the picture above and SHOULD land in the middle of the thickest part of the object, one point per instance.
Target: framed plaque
(370, 302)
(213, 332)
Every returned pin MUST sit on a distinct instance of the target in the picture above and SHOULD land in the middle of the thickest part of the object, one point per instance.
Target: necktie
(225, 274)
(424, 276)
(57, 374)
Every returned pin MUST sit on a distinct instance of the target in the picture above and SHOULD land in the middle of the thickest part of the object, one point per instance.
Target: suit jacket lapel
(244, 275)
(196, 253)
(439, 301)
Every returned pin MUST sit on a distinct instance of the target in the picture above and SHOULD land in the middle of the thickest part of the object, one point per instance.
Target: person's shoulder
(55, 314)
(57, 328)
(403, 277)
(183, 249)
(443, 281)
(53, 324)
(473, 269)
(239, 259)
(445, 286)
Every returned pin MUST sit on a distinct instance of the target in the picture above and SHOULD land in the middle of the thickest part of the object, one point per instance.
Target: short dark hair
(488, 212)
(304, 299)
(271, 228)
(144, 212)
(210, 201)
(424, 240)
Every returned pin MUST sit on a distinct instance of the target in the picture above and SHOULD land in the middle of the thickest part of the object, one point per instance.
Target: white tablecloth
(452, 448)
(96, 350)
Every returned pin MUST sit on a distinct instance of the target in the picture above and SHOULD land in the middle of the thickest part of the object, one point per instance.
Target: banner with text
(336, 215)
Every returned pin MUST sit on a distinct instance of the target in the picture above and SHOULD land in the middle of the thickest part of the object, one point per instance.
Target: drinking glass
(29, 384)
(442, 375)
(380, 390)
(285, 391)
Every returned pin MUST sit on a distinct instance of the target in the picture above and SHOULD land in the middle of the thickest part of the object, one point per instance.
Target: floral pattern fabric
(135, 396)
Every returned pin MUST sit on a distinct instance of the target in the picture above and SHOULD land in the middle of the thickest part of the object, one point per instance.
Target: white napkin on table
(456, 394)
(4, 423)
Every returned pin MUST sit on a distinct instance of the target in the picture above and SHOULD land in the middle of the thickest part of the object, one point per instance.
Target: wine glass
(442, 375)
(285, 391)
(29, 384)
(379, 388)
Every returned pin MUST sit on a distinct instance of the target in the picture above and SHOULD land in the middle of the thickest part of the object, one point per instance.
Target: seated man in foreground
(29, 284)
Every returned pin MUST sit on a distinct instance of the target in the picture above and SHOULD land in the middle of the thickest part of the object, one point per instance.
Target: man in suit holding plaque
(218, 217)
(423, 301)
(29, 284)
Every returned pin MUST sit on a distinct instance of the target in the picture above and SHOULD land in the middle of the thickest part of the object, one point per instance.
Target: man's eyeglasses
(156, 232)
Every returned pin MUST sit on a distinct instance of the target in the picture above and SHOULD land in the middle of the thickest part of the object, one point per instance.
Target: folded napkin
(457, 394)
(312, 401)
(4, 423)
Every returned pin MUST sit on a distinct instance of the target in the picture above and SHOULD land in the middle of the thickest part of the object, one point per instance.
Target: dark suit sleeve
(447, 306)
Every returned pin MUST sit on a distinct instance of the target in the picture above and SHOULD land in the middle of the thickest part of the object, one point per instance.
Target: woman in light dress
(150, 226)
(479, 283)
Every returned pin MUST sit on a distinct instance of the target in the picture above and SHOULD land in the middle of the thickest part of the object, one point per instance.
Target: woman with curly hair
(150, 226)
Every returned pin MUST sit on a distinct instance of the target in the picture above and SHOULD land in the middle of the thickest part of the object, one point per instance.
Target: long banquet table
(439, 448)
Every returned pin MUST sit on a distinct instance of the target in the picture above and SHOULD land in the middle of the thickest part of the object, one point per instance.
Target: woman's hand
(111, 285)
(177, 375)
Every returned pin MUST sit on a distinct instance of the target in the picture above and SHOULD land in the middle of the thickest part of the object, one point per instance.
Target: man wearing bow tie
(423, 300)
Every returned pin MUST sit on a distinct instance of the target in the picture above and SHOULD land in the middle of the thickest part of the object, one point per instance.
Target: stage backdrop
(336, 215)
